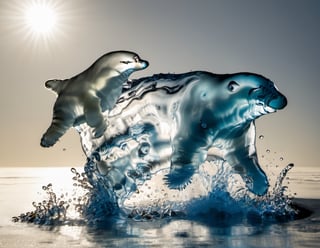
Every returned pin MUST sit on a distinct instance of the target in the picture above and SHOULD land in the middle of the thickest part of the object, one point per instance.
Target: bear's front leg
(254, 177)
(242, 157)
(93, 115)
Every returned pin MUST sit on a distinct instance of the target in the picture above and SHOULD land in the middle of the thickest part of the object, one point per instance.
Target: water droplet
(15, 219)
(281, 158)
(261, 137)
(268, 151)
(203, 125)
(144, 149)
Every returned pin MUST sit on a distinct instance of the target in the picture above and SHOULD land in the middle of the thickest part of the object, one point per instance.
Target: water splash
(215, 195)
(48, 212)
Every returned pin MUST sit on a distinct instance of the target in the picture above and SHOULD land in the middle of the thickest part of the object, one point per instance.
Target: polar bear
(182, 120)
(218, 111)
(85, 96)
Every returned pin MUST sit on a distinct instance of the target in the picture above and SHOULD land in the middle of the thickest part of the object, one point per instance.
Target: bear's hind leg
(179, 176)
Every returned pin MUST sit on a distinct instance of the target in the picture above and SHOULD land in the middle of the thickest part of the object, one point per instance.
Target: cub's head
(124, 62)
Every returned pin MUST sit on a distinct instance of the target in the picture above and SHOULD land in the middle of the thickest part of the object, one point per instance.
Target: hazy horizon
(278, 39)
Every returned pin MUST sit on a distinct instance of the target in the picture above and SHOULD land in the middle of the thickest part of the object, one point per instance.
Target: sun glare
(41, 18)
(40, 25)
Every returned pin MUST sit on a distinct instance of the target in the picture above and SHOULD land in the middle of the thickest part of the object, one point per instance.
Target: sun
(41, 18)
(40, 26)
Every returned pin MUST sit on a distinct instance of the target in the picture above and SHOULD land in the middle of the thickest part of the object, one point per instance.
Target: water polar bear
(85, 96)
(182, 120)
(218, 111)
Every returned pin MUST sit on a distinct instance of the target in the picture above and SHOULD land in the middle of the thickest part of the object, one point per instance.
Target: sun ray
(41, 18)
(40, 25)
(42, 22)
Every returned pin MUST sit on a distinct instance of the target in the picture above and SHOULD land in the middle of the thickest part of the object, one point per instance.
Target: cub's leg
(62, 120)
(93, 115)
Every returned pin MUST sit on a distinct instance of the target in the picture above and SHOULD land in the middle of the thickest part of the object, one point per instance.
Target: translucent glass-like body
(178, 121)
(85, 96)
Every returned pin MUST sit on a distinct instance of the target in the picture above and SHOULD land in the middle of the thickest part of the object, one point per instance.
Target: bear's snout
(278, 102)
(144, 64)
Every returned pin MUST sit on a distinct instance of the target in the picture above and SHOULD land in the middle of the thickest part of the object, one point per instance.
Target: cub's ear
(55, 85)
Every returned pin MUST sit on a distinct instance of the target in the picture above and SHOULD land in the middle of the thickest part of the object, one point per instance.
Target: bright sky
(278, 39)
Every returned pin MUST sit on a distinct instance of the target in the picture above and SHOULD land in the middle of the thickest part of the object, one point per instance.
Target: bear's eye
(136, 59)
(126, 62)
(232, 86)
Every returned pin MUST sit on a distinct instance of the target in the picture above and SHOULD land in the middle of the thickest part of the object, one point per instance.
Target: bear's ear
(55, 85)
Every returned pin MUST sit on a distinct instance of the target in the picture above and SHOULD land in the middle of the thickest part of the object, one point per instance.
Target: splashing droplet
(204, 125)
(144, 149)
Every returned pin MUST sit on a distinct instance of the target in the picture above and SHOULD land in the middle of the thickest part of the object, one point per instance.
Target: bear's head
(243, 97)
